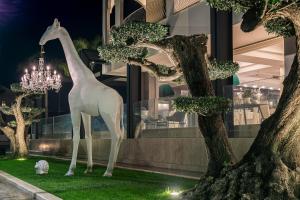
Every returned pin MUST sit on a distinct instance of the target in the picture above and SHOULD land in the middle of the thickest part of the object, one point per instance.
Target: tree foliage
(138, 32)
(205, 106)
(280, 26)
(238, 6)
(254, 12)
(120, 53)
(222, 69)
(83, 43)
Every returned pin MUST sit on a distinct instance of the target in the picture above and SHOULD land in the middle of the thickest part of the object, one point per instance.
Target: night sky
(22, 23)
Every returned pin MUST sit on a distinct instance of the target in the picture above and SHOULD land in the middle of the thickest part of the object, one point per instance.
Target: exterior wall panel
(187, 154)
(155, 10)
(193, 20)
(182, 4)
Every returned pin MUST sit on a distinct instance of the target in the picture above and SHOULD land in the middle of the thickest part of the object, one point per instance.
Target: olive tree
(131, 42)
(271, 168)
(24, 115)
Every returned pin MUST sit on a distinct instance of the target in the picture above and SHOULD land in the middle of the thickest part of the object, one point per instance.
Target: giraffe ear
(56, 23)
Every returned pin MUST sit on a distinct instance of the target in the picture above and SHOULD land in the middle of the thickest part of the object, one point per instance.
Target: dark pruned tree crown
(123, 38)
(205, 106)
(121, 53)
(222, 69)
(238, 6)
(281, 27)
(253, 9)
(138, 32)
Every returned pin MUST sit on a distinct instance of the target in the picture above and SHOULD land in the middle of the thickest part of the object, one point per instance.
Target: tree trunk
(10, 134)
(21, 144)
(22, 150)
(271, 168)
(190, 53)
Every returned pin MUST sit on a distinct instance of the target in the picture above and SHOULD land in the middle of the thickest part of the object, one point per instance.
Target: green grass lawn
(124, 185)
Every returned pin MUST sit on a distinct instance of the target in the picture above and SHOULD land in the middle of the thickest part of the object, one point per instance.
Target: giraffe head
(51, 33)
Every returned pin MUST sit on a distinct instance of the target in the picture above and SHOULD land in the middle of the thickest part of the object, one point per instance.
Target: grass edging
(33, 191)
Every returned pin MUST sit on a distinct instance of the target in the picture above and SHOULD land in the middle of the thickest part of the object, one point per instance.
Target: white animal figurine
(41, 167)
(87, 98)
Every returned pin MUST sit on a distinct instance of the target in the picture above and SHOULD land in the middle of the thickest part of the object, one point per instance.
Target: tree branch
(276, 12)
(160, 48)
(8, 132)
(265, 9)
(6, 110)
(154, 69)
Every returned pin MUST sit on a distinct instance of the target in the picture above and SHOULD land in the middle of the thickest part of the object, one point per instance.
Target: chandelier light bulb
(48, 67)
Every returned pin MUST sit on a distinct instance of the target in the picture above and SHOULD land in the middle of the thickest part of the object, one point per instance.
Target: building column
(133, 98)
(222, 50)
(119, 12)
(169, 8)
(105, 20)
(221, 43)
(149, 93)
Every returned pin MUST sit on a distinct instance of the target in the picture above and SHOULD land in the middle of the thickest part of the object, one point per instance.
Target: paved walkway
(8, 192)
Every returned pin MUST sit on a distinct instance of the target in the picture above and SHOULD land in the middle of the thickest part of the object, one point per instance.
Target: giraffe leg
(88, 137)
(119, 141)
(114, 144)
(119, 134)
(75, 117)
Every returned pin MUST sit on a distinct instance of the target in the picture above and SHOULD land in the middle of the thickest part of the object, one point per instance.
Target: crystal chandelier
(41, 79)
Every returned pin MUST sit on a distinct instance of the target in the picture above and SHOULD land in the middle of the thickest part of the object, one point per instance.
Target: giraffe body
(87, 98)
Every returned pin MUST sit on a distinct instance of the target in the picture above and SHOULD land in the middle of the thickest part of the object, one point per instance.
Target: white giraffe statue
(87, 98)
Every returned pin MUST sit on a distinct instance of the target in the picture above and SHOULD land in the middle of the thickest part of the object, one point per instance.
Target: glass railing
(53, 127)
(160, 113)
(159, 118)
(61, 127)
(251, 105)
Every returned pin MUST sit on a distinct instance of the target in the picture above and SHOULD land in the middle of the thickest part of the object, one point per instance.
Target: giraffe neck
(78, 70)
